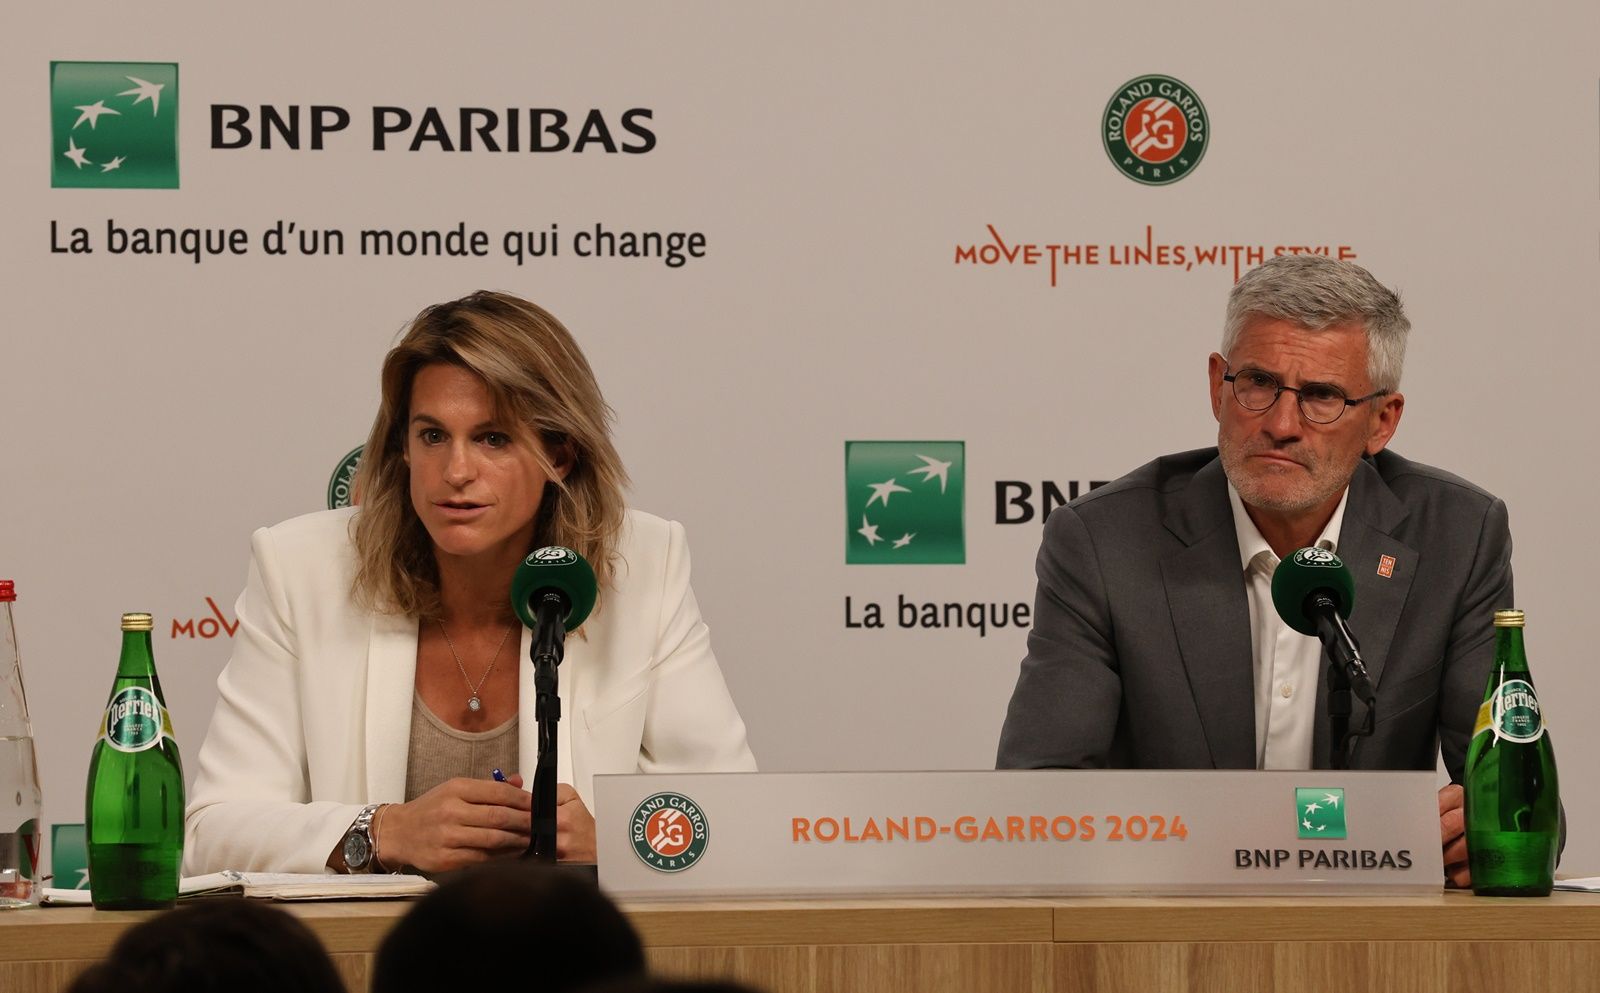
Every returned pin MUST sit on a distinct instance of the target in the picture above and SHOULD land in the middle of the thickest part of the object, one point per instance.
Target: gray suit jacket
(1140, 651)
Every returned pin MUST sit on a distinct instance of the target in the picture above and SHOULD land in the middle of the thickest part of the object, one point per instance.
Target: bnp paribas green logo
(1320, 812)
(114, 124)
(903, 502)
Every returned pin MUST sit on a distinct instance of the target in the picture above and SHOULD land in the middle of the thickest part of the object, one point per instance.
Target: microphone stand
(1338, 715)
(546, 652)
(1332, 632)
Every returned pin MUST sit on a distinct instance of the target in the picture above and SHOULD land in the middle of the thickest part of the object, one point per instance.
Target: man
(1155, 643)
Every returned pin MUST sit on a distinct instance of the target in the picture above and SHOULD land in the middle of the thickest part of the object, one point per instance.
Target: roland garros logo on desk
(669, 832)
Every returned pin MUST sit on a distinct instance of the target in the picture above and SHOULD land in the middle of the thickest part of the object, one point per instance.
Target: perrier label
(1513, 802)
(135, 720)
(133, 817)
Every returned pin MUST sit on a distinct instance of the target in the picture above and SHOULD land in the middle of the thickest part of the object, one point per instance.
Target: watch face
(356, 850)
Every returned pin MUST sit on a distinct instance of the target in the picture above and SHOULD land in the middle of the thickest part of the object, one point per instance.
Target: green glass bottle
(133, 819)
(1513, 803)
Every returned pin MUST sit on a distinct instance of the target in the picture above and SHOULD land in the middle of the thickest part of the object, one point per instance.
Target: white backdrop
(836, 158)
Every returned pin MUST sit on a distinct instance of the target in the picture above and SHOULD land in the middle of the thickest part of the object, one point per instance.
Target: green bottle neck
(1509, 655)
(138, 658)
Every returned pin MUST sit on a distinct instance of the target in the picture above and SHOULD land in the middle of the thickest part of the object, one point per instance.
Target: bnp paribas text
(294, 127)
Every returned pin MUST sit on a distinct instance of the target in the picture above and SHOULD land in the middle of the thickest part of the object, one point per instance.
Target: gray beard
(1325, 481)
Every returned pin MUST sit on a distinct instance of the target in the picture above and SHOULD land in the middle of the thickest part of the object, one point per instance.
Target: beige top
(439, 752)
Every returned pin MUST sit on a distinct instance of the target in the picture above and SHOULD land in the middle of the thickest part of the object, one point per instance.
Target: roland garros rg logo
(1155, 130)
(668, 831)
(1318, 557)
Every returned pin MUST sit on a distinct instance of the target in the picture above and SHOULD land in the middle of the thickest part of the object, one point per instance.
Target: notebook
(275, 886)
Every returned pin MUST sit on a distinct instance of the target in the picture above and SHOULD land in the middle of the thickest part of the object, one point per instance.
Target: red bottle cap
(8, 591)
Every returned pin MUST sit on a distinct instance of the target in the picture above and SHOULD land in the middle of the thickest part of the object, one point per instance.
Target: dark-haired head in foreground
(219, 945)
(547, 929)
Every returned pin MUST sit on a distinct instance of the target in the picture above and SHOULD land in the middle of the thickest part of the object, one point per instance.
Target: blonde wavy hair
(540, 382)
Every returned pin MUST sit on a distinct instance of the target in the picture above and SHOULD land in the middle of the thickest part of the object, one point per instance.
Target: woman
(376, 680)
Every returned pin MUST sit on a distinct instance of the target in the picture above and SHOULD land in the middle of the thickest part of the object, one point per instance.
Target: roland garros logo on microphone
(1319, 558)
(1155, 130)
(669, 832)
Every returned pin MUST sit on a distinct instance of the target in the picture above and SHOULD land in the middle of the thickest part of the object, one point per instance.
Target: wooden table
(1446, 942)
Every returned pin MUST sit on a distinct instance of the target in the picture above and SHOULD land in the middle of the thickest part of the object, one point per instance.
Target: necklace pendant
(474, 705)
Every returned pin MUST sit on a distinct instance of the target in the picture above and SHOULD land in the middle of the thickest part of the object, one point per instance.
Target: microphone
(1314, 593)
(553, 592)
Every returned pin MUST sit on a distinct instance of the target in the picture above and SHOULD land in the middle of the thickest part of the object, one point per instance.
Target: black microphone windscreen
(1308, 571)
(558, 569)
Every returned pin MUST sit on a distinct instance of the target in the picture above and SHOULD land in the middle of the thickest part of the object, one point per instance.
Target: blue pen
(499, 776)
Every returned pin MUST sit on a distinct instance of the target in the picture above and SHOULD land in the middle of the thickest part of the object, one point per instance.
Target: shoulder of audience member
(232, 944)
(524, 917)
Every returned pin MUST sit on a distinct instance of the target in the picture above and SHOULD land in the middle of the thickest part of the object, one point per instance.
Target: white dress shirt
(1287, 663)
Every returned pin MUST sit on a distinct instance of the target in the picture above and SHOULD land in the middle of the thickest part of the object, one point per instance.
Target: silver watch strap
(363, 825)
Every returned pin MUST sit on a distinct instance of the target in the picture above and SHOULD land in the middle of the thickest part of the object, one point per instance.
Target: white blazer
(313, 715)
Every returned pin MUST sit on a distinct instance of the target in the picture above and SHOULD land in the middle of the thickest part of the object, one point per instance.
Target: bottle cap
(8, 591)
(137, 622)
(1508, 619)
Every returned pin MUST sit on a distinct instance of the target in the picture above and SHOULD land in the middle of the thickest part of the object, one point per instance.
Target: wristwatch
(358, 846)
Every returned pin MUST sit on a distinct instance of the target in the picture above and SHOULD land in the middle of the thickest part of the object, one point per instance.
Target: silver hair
(1316, 292)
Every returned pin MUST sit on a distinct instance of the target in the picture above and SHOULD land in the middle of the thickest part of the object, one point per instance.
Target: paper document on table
(1583, 884)
(276, 886)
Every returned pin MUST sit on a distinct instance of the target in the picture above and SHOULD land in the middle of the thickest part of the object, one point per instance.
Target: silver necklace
(473, 703)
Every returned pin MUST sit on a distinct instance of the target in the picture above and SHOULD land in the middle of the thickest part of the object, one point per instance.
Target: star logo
(881, 491)
(934, 469)
(914, 489)
(76, 154)
(868, 531)
(1319, 812)
(145, 90)
(91, 113)
(130, 132)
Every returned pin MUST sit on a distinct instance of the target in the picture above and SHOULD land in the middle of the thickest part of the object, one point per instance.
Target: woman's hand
(574, 827)
(458, 823)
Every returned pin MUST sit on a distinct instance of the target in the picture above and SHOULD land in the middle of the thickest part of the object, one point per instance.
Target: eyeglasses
(1320, 403)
